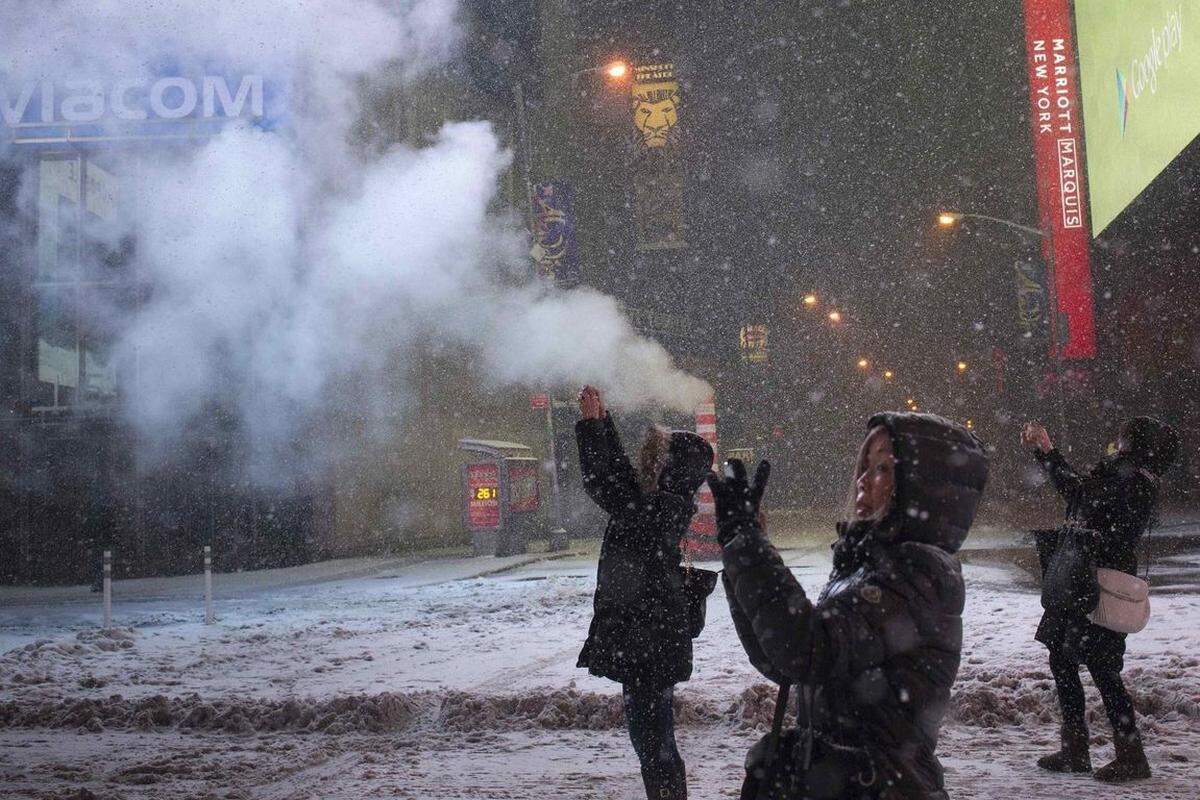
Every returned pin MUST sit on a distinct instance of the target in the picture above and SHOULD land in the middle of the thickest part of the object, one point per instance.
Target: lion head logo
(656, 104)
(655, 113)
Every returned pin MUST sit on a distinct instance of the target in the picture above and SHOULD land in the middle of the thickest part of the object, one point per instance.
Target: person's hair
(1152, 443)
(652, 456)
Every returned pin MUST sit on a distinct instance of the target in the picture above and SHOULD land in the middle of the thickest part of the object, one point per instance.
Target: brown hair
(653, 456)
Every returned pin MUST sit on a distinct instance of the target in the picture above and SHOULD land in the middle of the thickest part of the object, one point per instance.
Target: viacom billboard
(171, 106)
(1139, 64)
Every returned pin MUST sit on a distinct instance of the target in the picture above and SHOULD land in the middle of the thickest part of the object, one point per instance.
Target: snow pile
(49, 661)
(755, 707)
(568, 708)
(1167, 694)
(368, 714)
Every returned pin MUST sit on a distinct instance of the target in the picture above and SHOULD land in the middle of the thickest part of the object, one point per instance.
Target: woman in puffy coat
(642, 628)
(875, 656)
(1117, 499)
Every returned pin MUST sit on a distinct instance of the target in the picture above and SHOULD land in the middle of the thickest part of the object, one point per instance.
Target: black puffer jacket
(1116, 499)
(640, 632)
(878, 652)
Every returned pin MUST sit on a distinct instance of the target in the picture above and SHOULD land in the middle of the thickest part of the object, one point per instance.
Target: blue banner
(555, 251)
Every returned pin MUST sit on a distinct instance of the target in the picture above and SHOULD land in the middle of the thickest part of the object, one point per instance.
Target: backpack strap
(780, 710)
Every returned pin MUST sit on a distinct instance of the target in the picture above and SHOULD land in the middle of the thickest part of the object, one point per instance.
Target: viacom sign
(46, 109)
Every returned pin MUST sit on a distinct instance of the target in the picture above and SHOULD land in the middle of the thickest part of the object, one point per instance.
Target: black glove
(737, 499)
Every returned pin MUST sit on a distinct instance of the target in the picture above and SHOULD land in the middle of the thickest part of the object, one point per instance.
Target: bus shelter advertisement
(1139, 66)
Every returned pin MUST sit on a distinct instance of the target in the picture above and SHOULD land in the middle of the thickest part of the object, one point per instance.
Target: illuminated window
(81, 287)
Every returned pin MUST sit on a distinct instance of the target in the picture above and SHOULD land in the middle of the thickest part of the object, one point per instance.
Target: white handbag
(1124, 604)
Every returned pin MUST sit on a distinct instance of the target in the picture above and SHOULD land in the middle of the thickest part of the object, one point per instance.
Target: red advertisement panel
(483, 496)
(523, 487)
(1058, 151)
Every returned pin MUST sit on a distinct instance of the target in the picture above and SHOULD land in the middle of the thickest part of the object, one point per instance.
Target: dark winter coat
(879, 650)
(640, 629)
(1116, 499)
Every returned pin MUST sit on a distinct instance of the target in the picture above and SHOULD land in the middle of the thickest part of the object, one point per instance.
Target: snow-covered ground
(450, 679)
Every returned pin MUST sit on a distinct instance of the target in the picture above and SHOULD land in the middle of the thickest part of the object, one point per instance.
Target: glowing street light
(888, 374)
(613, 70)
(948, 219)
(962, 366)
(810, 300)
(863, 363)
(835, 316)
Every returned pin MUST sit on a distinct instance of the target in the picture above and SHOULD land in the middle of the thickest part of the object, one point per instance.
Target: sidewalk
(435, 568)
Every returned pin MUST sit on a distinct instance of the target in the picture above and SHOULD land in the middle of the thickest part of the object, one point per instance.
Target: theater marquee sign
(1058, 155)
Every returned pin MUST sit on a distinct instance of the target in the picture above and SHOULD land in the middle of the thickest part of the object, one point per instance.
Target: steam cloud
(285, 260)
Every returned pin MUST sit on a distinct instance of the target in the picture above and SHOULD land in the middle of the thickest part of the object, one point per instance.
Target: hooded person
(644, 621)
(1117, 500)
(875, 656)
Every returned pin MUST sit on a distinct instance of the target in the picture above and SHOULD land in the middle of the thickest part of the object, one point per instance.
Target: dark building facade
(73, 477)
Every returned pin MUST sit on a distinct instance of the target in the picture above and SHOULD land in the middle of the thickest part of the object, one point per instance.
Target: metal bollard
(107, 590)
(208, 603)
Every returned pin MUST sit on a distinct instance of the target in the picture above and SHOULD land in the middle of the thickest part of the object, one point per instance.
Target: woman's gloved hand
(737, 499)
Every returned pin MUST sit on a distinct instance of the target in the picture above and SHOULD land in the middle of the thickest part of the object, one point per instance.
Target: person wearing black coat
(1117, 500)
(641, 631)
(875, 656)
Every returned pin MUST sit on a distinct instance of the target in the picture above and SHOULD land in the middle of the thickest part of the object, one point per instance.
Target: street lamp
(962, 366)
(863, 363)
(835, 316)
(888, 374)
(948, 219)
(810, 300)
(616, 70)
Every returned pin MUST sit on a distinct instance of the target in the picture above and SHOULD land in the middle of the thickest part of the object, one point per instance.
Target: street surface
(455, 678)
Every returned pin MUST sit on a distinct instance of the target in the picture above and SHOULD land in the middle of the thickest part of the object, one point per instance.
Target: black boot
(1130, 763)
(661, 786)
(1074, 756)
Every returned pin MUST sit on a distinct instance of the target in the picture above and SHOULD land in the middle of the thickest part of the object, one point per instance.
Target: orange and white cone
(701, 541)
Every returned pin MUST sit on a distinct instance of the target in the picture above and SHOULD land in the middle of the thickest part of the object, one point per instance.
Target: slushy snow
(432, 680)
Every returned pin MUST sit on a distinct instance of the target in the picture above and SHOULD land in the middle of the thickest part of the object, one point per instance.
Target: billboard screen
(1139, 66)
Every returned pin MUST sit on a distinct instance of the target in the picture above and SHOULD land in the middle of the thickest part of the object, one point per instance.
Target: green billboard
(1139, 64)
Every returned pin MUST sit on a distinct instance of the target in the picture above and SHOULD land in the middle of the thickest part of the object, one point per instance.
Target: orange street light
(948, 219)
(863, 363)
(962, 366)
(617, 70)
(810, 300)
(888, 374)
(835, 316)
(970, 425)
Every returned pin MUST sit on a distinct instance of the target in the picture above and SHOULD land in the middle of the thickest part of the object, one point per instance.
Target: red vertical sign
(482, 496)
(1058, 149)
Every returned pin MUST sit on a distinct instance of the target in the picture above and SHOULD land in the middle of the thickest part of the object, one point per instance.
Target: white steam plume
(284, 260)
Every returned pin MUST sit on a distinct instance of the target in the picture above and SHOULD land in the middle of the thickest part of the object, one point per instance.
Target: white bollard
(208, 608)
(107, 590)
